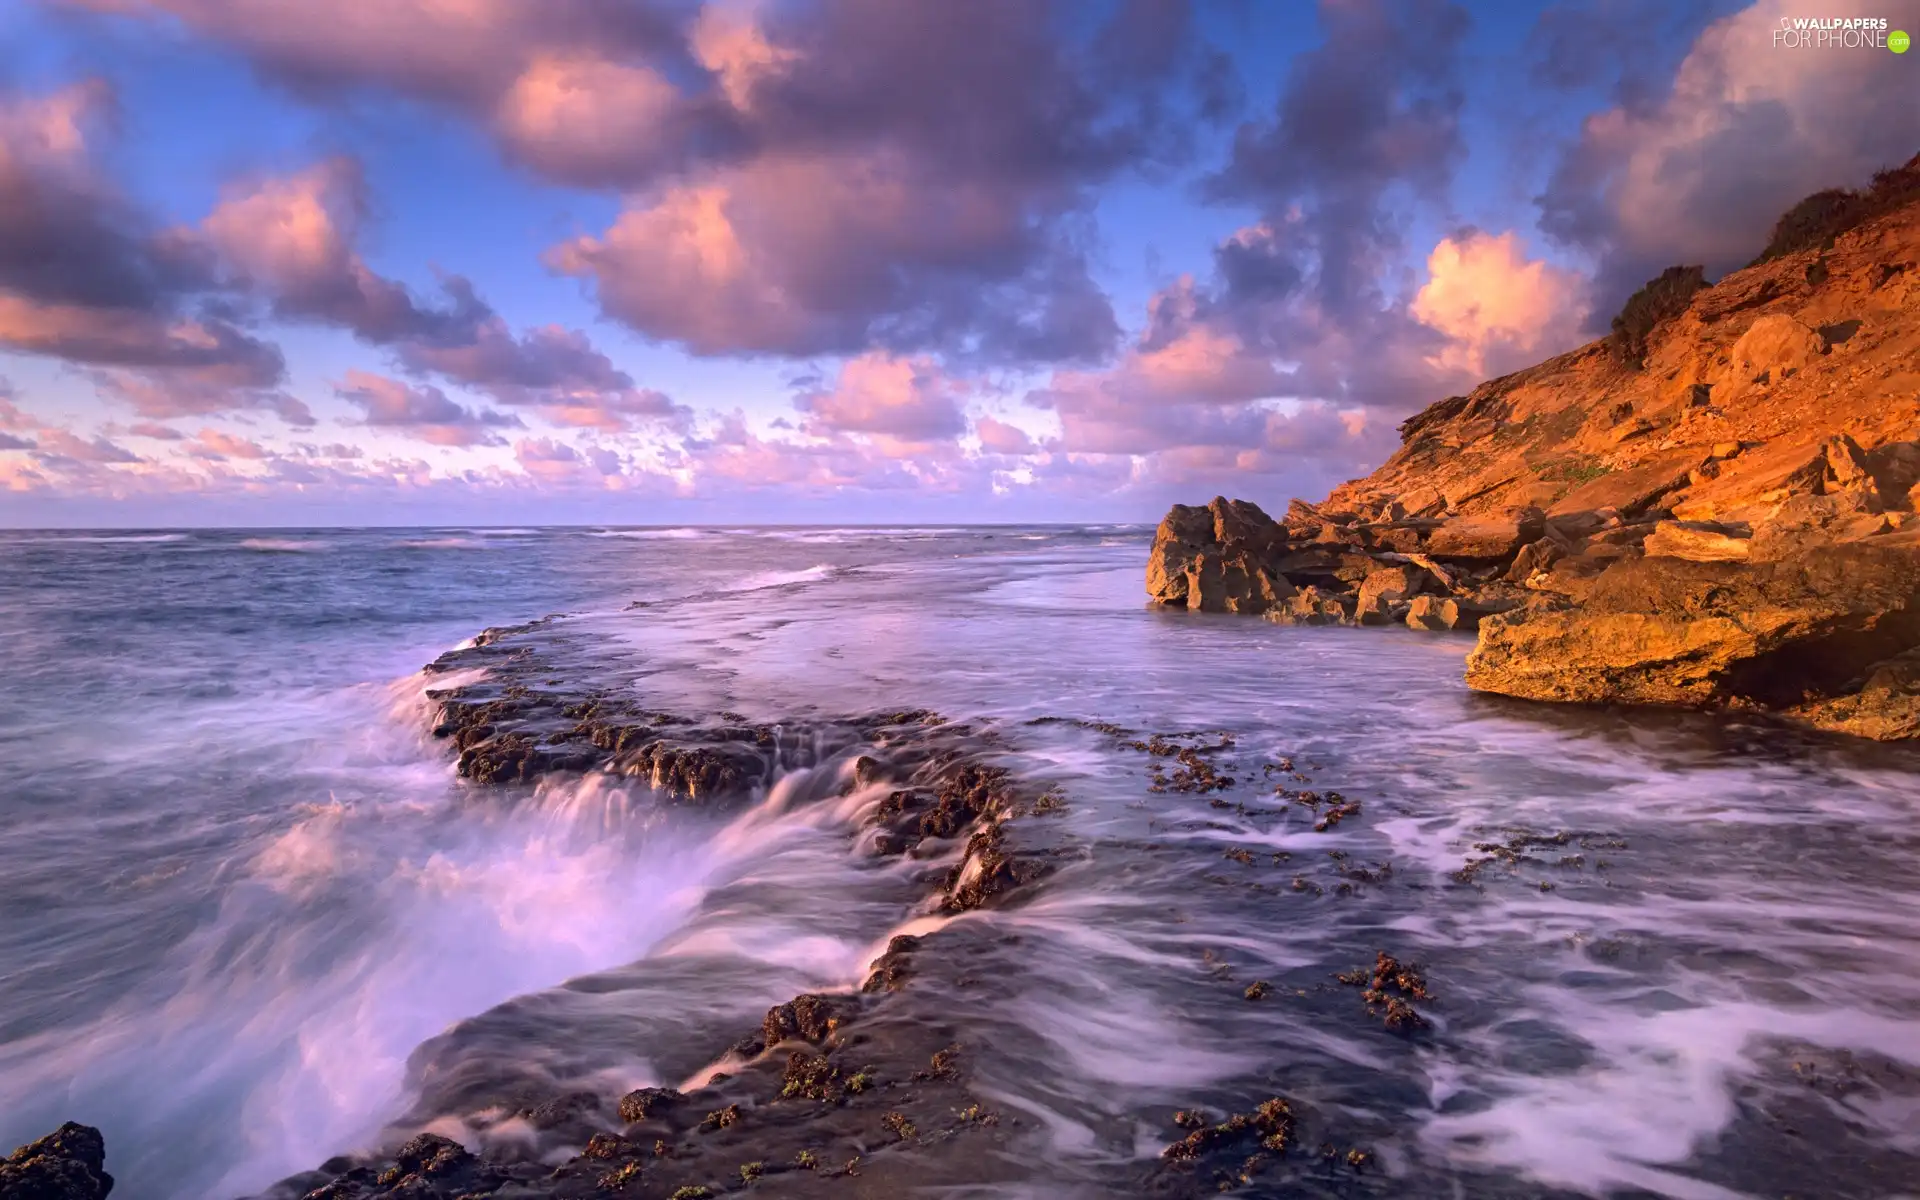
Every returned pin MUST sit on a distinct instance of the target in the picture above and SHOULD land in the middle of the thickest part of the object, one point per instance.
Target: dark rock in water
(647, 1104)
(68, 1164)
(891, 971)
(804, 1018)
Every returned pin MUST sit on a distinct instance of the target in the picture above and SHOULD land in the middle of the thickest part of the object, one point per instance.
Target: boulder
(1220, 558)
(1535, 557)
(1439, 613)
(1314, 606)
(68, 1164)
(1390, 584)
(1183, 532)
(1697, 541)
(1488, 536)
(1773, 347)
(1233, 581)
(1672, 631)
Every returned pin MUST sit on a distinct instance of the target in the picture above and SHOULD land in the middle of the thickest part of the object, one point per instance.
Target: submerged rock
(68, 1164)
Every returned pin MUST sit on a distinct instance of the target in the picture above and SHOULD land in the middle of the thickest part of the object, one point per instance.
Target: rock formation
(68, 1164)
(1713, 507)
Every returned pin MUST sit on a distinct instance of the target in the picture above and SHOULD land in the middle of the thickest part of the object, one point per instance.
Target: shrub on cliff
(1815, 222)
(1662, 299)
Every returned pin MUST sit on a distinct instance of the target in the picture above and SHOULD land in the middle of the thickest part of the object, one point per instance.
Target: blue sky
(835, 259)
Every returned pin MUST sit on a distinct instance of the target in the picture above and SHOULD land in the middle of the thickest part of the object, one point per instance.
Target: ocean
(251, 918)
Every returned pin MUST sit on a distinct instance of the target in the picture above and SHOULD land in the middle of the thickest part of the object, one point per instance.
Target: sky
(428, 262)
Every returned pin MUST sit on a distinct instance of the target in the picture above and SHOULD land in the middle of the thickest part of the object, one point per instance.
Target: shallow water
(247, 913)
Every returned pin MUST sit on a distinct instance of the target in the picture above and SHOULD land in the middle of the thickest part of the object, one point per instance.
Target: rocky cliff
(1712, 507)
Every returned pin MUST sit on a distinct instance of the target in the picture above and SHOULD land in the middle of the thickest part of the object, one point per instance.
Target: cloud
(459, 52)
(908, 400)
(293, 239)
(158, 432)
(551, 461)
(998, 437)
(1499, 309)
(1746, 129)
(423, 411)
(828, 255)
(87, 279)
(1365, 122)
(553, 369)
(9, 442)
(843, 176)
(62, 443)
(218, 445)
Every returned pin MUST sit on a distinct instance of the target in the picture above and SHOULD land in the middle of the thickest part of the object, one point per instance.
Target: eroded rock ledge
(1716, 512)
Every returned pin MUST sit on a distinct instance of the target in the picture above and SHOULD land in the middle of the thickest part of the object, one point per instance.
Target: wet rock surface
(67, 1164)
(1643, 529)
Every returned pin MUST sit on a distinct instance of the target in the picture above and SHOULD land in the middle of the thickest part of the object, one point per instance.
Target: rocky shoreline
(867, 1093)
(1713, 508)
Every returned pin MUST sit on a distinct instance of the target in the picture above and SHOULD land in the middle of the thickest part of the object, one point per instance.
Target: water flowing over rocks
(1726, 519)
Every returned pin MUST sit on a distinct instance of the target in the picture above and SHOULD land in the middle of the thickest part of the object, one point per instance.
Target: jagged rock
(1804, 523)
(1886, 707)
(1535, 557)
(68, 1164)
(1314, 606)
(1221, 558)
(807, 1018)
(1697, 540)
(1699, 634)
(1183, 532)
(1229, 582)
(1440, 613)
(1389, 585)
(1488, 536)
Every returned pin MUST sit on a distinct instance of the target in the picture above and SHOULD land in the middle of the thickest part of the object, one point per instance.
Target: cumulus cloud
(553, 369)
(10, 442)
(217, 445)
(1366, 121)
(851, 174)
(62, 443)
(552, 461)
(86, 278)
(805, 255)
(1499, 309)
(293, 239)
(1746, 129)
(156, 431)
(1000, 437)
(423, 411)
(909, 400)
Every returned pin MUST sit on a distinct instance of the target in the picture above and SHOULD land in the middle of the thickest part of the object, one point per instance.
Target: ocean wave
(284, 545)
(675, 533)
(445, 543)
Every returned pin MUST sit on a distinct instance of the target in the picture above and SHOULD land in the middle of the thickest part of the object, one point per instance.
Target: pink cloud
(906, 399)
(225, 445)
(1499, 309)
(62, 443)
(998, 437)
(423, 411)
